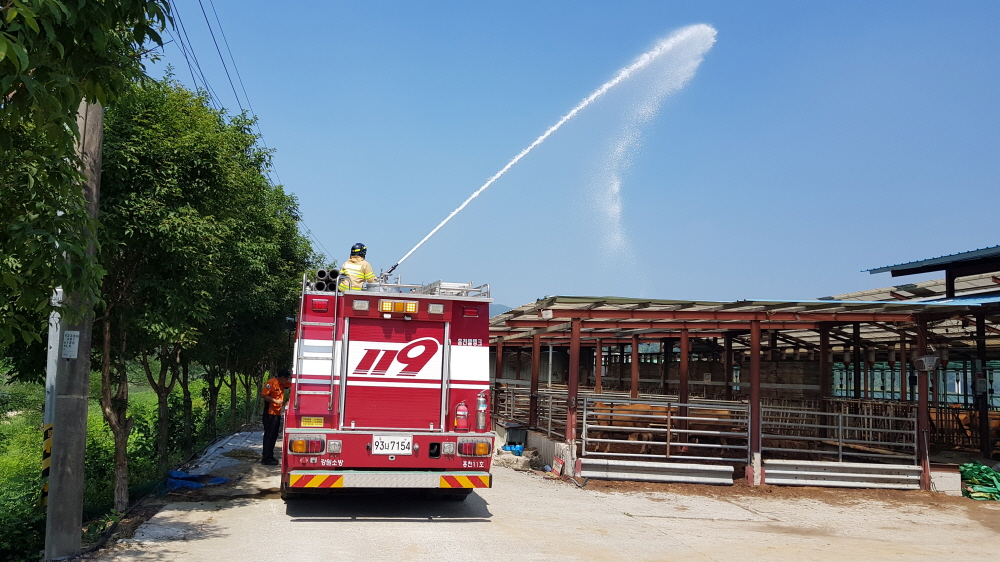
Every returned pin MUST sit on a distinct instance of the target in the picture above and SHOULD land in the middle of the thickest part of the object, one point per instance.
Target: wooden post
(598, 367)
(856, 354)
(727, 363)
(755, 413)
(825, 368)
(682, 391)
(574, 381)
(663, 365)
(983, 402)
(923, 409)
(536, 361)
(904, 362)
(635, 367)
(498, 364)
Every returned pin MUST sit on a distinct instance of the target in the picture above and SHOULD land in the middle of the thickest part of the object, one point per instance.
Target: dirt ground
(528, 516)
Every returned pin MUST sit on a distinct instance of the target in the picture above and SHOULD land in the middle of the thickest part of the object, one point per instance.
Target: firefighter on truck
(356, 271)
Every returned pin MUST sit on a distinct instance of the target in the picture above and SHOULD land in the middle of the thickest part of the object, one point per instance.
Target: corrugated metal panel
(961, 256)
(842, 474)
(688, 473)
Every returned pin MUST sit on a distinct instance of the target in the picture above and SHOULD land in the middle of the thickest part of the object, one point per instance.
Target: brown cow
(648, 416)
(626, 416)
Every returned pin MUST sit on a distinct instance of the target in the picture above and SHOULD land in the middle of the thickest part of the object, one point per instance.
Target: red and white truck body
(390, 389)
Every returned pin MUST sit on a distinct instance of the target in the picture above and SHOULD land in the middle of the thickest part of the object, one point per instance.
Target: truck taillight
(473, 447)
(306, 444)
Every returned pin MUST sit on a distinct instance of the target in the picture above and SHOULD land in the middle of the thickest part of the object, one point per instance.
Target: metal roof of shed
(612, 319)
(943, 261)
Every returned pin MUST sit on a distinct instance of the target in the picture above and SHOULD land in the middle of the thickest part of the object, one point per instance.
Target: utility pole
(66, 398)
(981, 389)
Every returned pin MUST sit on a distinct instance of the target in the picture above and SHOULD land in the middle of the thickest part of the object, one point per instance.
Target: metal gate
(653, 430)
(806, 434)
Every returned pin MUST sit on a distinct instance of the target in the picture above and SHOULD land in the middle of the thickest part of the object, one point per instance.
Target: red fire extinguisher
(461, 417)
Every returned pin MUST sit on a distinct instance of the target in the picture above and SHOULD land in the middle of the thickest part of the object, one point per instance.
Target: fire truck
(390, 389)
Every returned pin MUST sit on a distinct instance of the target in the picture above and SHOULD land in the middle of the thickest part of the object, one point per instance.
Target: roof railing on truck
(470, 289)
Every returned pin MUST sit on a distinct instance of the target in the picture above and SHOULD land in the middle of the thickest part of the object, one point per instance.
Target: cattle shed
(874, 376)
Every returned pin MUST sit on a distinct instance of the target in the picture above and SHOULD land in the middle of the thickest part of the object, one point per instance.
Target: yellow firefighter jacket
(355, 272)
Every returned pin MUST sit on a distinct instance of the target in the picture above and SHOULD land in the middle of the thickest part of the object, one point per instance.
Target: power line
(315, 239)
(239, 77)
(246, 96)
(232, 85)
(224, 65)
(186, 45)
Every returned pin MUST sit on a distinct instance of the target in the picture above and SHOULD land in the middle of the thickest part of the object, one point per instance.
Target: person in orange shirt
(274, 404)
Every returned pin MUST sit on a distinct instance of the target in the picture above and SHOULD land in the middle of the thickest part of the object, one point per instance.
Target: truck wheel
(286, 494)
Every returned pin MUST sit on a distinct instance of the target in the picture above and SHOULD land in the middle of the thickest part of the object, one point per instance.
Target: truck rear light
(470, 311)
(306, 444)
(320, 305)
(448, 448)
(360, 304)
(437, 308)
(397, 306)
(473, 447)
(334, 447)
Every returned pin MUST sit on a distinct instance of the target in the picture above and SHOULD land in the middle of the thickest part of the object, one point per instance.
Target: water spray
(644, 60)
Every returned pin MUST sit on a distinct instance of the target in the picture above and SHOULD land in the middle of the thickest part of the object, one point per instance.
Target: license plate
(392, 444)
(311, 422)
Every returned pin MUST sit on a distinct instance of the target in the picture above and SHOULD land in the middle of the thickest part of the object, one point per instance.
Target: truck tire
(286, 494)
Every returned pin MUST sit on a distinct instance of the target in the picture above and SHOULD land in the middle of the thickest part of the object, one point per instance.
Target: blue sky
(815, 140)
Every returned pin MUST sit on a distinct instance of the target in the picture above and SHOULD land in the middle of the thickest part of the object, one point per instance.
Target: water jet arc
(644, 60)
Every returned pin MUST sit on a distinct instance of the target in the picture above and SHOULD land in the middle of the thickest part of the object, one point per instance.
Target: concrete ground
(528, 517)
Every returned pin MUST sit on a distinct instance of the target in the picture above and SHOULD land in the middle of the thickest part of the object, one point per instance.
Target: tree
(164, 183)
(53, 55)
(199, 247)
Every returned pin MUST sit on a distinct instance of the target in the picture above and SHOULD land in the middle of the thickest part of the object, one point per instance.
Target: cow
(634, 417)
(626, 416)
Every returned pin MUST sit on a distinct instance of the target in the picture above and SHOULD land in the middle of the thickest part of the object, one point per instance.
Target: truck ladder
(300, 357)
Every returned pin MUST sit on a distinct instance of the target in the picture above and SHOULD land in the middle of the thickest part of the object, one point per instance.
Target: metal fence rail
(552, 413)
(664, 430)
(800, 432)
(842, 474)
(511, 404)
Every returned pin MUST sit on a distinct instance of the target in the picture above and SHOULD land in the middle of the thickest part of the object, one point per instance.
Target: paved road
(527, 517)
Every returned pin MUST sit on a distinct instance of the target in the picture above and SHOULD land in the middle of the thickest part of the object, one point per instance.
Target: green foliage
(28, 358)
(21, 453)
(22, 520)
(53, 55)
(195, 237)
(20, 471)
(97, 527)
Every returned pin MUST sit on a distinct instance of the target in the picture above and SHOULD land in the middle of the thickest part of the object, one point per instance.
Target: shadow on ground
(386, 506)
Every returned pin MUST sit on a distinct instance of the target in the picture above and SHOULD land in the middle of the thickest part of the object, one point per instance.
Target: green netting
(980, 482)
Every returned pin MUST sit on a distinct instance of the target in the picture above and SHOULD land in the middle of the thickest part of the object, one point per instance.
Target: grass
(21, 405)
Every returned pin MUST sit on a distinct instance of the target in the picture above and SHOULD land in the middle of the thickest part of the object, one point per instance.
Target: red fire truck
(390, 389)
